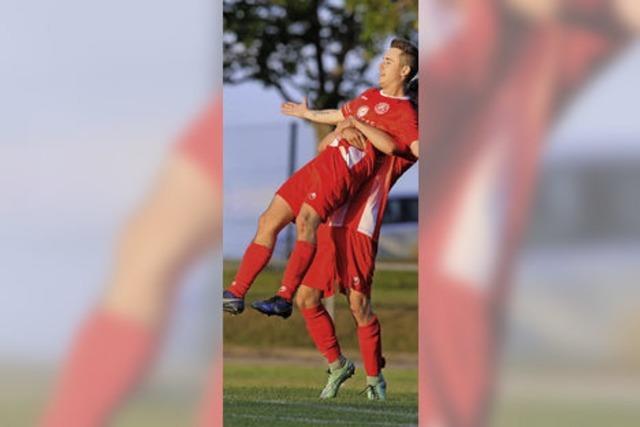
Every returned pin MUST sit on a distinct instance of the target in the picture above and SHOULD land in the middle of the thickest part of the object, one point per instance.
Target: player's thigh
(179, 214)
(277, 215)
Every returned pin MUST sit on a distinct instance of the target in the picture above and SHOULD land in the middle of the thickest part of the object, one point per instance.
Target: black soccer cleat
(231, 303)
(274, 306)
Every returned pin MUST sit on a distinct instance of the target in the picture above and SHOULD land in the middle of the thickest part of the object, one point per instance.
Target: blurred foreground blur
(529, 235)
(96, 98)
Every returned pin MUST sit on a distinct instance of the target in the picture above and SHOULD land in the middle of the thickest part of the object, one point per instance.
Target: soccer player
(389, 122)
(347, 247)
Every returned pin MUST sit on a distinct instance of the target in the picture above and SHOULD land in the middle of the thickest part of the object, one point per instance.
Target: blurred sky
(93, 95)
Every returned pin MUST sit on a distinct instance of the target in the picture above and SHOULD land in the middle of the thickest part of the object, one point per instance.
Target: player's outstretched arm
(330, 117)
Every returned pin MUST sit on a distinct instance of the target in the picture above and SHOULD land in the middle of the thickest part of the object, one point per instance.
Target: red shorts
(345, 259)
(322, 190)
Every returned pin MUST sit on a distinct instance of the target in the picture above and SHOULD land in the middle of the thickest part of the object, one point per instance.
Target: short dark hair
(408, 57)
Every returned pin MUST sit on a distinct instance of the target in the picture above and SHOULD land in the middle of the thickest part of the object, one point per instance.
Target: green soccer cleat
(377, 391)
(336, 379)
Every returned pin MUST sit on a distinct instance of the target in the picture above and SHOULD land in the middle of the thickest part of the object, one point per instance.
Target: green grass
(549, 412)
(286, 395)
(249, 392)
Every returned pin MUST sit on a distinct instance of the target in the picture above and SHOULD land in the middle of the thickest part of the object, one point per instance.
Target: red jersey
(338, 172)
(364, 212)
(394, 115)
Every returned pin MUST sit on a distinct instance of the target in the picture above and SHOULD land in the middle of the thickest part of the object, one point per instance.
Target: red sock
(255, 258)
(322, 332)
(371, 347)
(109, 357)
(299, 262)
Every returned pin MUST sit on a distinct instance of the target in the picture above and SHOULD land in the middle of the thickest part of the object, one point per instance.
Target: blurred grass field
(273, 376)
(395, 301)
(172, 404)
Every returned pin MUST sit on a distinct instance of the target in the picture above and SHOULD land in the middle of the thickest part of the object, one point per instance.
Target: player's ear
(404, 72)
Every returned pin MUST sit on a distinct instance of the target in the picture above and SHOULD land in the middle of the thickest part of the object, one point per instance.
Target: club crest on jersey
(382, 107)
(362, 111)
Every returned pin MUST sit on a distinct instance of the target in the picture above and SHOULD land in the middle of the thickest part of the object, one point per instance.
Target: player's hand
(354, 137)
(295, 110)
(345, 124)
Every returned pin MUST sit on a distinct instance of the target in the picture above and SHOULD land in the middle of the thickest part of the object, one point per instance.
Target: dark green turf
(288, 396)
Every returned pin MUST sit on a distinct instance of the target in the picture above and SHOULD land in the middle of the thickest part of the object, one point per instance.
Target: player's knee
(132, 240)
(361, 310)
(307, 298)
(307, 222)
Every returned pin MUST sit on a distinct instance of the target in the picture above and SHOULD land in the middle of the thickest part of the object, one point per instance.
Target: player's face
(392, 72)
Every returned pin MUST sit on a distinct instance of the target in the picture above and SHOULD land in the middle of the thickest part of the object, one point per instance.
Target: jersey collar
(405, 98)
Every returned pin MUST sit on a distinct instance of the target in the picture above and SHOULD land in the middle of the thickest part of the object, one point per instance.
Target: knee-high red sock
(255, 258)
(371, 347)
(109, 357)
(322, 332)
(299, 262)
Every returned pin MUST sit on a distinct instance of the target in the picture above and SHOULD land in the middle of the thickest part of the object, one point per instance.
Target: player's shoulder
(370, 92)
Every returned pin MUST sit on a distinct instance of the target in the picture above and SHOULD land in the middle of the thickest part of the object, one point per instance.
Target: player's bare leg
(272, 221)
(258, 253)
(117, 342)
(176, 221)
(281, 304)
(369, 338)
(322, 332)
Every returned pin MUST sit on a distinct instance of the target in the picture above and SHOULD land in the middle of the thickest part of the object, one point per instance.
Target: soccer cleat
(336, 379)
(274, 306)
(231, 303)
(377, 391)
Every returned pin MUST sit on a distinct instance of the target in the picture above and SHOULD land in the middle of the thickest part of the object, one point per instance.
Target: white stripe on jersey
(472, 247)
(369, 218)
(351, 155)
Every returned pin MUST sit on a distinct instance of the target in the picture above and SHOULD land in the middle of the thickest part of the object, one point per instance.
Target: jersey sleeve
(406, 132)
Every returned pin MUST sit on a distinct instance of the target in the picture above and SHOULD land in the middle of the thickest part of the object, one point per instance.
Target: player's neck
(393, 90)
